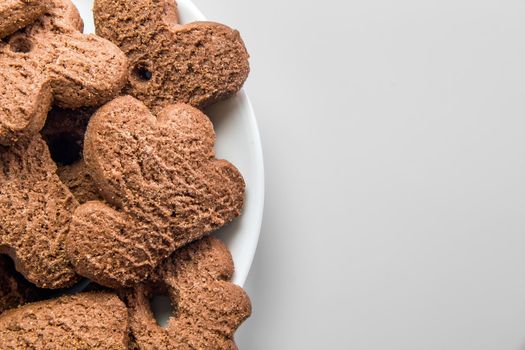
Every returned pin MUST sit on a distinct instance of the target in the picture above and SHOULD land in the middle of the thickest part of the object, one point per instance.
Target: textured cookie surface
(51, 61)
(82, 321)
(164, 185)
(16, 14)
(198, 63)
(79, 181)
(35, 212)
(209, 308)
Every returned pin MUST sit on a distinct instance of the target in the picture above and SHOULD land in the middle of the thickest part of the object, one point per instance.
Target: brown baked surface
(16, 14)
(82, 321)
(35, 212)
(209, 308)
(51, 61)
(164, 185)
(198, 63)
(78, 179)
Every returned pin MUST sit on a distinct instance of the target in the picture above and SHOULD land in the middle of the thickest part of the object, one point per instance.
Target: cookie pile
(108, 172)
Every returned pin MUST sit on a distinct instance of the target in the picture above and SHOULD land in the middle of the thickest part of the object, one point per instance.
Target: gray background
(393, 134)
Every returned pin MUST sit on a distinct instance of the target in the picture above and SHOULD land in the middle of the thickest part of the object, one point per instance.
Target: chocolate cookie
(209, 308)
(35, 212)
(198, 63)
(16, 14)
(51, 61)
(82, 321)
(164, 185)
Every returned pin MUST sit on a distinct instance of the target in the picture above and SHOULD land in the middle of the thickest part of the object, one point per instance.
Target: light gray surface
(395, 153)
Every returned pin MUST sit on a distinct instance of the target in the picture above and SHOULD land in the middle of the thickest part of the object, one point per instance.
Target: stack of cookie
(108, 173)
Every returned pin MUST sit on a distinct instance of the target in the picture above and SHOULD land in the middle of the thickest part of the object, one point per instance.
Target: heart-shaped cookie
(163, 187)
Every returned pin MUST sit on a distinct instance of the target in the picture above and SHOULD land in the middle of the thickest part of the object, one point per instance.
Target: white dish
(239, 142)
